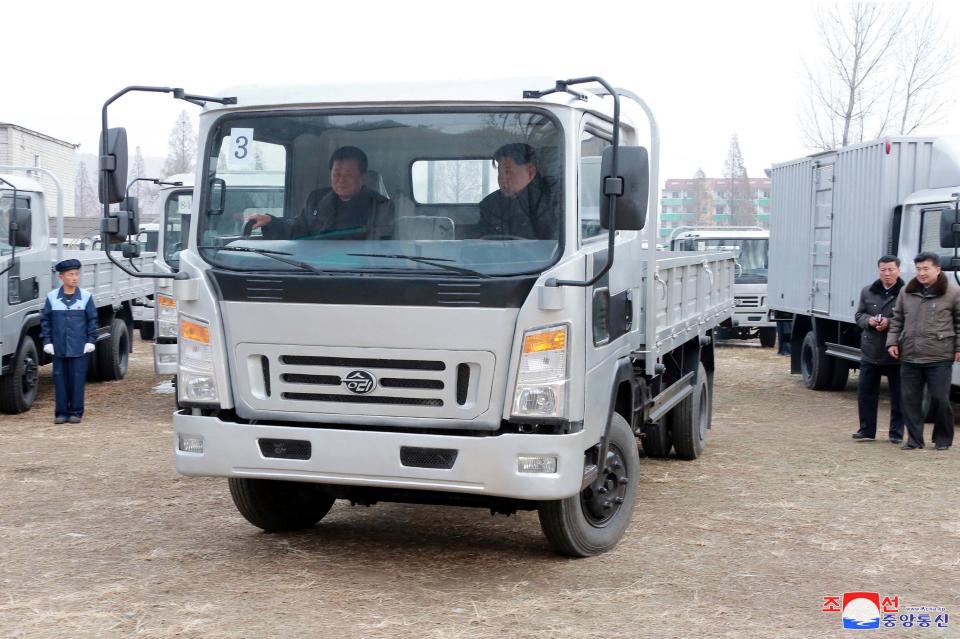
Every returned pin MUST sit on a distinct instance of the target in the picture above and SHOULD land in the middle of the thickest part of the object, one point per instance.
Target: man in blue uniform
(68, 328)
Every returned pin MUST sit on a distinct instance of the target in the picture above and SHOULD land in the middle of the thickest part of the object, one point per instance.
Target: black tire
(277, 506)
(113, 355)
(690, 419)
(816, 366)
(148, 330)
(18, 389)
(839, 375)
(655, 439)
(590, 523)
(768, 337)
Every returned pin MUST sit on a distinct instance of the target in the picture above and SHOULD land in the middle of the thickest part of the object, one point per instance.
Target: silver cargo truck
(27, 258)
(439, 358)
(833, 216)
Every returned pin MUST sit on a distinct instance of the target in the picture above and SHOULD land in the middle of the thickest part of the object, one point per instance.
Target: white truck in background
(27, 275)
(834, 214)
(751, 246)
(442, 363)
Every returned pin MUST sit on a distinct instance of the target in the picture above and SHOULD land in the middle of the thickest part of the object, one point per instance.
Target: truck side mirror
(949, 228)
(21, 226)
(121, 224)
(217, 196)
(130, 249)
(113, 166)
(633, 167)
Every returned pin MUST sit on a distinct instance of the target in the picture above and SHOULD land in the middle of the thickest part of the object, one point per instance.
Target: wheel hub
(30, 374)
(603, 498)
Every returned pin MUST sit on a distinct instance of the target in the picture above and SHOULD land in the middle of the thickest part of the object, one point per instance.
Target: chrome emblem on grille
(360, 382)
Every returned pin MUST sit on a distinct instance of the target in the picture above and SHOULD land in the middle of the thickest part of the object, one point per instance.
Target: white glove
(88, 348)
(48, 349)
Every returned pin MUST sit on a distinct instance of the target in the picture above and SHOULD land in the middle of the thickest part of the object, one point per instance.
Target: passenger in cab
(526, 205)
(349, 210)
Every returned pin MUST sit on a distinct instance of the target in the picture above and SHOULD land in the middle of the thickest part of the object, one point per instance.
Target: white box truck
(27, 258)
(442, 359)
(750, 246)
(833, 216)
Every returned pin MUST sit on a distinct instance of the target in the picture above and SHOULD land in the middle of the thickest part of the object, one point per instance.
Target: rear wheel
(18, 388)
(815, 365)
(593, 521)
(768, 337)
(690, 419)
(276, 506)
(655, 439)
(840, 375)
(113, 354)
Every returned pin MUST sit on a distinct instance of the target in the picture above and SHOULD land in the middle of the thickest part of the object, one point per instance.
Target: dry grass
(100, 538)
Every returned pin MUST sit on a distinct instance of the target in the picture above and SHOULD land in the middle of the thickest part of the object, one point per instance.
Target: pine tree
(86, 203)
(737, 184)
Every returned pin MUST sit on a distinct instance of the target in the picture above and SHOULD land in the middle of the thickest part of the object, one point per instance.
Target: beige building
(20, 146)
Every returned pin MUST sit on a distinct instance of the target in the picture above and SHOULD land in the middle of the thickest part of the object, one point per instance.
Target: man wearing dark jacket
(526, 204)
(68, 330)
(925, 336)
(347, 211)
(873, 318)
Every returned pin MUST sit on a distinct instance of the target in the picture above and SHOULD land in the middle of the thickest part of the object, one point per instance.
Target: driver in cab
(526, 204)
(347, 211)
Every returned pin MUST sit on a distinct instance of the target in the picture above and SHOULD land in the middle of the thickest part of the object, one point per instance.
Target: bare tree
(924, 59)
(146, 193)
(702, 200)
(86, 203)
(737, 183)
(182, 146)
(849, 94)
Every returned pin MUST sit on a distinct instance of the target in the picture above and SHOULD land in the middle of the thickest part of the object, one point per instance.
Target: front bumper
(753, 318)
(484, 465)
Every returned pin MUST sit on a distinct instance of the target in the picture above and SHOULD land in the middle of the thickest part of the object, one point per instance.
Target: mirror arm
(609, 185)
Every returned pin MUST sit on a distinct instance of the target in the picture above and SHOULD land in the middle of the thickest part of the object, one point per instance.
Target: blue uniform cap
(67, 265)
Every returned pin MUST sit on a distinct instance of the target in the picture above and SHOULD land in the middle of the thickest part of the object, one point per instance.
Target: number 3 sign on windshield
(240, 154)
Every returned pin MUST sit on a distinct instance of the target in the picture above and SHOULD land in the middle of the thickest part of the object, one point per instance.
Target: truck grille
(365, 381)
(747, 301)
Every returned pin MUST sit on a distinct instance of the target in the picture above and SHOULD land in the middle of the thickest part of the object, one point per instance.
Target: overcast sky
(708, 69)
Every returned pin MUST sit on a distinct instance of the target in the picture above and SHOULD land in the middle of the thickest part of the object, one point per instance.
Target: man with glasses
(525, 206)
(924, 335)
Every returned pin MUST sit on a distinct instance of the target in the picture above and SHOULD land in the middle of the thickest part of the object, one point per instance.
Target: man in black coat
(349, 210)
(526, 204)
(873, 317)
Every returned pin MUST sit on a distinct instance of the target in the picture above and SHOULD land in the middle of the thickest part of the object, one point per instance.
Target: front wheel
(276, 505)
(18, 388)
(593, 521)
(113, 354)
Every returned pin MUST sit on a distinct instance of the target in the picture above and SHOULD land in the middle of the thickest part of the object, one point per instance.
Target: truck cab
(176, 201)
(490, 329)
(750, 245)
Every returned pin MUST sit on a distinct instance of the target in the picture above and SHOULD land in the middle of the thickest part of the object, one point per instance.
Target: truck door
(609, 302)
(822, 237)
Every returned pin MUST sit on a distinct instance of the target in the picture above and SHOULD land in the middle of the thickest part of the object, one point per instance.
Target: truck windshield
(176, 223)
(453, 194)
(751, 255)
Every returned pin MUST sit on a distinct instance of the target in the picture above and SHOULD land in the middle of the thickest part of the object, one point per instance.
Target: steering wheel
(502, 237)
(247, 230)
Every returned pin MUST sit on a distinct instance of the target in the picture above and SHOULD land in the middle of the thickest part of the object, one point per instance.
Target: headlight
(542, 377)
(196, 380)
(166, 316)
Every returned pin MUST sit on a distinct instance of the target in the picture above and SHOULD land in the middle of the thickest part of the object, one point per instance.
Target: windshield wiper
(430, 261)
(269, 253)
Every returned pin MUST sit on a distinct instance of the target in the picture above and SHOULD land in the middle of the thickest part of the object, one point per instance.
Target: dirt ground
(99, 537)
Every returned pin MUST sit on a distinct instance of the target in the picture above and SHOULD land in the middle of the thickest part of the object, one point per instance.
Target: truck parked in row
(441, 361)
(26, 276)
(834, 214)
(750, 246)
